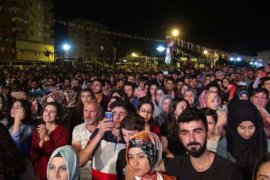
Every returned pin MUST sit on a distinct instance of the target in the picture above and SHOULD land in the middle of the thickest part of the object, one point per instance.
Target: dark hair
(193, 114)
(130, 84)
(145, 101)
(87, 90)
(267, 78)
(122, 104)
(132, 122)
(27, 110)
(172, 121)
(148, 94)
(121, 93)
(58, 110)
(169, 79)
(100, 81)
(264, 158)
(210, 112)
(12, 161)
(259, 90)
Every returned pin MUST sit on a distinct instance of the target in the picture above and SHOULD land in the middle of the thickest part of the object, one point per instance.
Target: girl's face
(213, 101)
(153, 90)
(138, 161)
(211, 125)
(146, 112)
(179, 108)
(49, 114)
(246, 129)
(17, 106)
(189, 96)
(183, 89)
(57, 169)
(166, 105)
(85, 96)
(159, 93)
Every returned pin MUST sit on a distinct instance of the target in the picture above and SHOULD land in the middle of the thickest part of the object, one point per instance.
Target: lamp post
(66, 48)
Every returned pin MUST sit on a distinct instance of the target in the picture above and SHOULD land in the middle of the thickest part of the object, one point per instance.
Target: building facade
(26, 31)
(89, 41)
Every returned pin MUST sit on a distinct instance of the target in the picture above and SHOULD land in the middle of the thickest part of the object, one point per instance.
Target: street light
(66, 47)
(161, 48)
(175, 32)
(134, 54)
(205, 52)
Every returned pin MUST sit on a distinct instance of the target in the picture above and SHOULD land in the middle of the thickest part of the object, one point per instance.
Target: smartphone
(108, 117)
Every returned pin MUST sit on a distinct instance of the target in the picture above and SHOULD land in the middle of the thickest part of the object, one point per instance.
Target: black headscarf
(245, 151)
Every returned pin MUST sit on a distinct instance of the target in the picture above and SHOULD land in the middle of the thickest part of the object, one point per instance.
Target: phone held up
(108, 117)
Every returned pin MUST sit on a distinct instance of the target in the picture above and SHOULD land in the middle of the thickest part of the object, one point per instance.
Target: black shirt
(174, 144)
(220, 169)
(121, 164)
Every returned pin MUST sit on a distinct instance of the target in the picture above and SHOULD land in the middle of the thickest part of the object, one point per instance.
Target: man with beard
(198, 163)
(105, 143)
(97, 88)
(81, 134)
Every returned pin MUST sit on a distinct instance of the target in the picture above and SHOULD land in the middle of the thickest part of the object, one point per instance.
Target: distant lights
(161, 48)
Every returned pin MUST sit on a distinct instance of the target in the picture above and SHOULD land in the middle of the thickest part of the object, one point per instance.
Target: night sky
(234, 26)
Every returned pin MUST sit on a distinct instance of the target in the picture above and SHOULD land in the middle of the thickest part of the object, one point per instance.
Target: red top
(40, 155)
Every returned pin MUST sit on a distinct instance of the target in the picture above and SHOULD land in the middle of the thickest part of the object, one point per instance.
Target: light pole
(66, 48)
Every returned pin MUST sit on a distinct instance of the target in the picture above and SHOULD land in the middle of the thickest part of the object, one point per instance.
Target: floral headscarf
(150, 145)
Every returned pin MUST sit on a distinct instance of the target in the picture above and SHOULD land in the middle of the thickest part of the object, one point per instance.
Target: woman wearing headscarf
(164, 108)
(245, 140)
(144, 152)
(63, 164)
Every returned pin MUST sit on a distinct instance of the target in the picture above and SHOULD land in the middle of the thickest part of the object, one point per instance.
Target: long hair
(172, 121)
(12, 161)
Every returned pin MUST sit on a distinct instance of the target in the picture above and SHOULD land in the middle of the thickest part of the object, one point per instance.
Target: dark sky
(235, 26)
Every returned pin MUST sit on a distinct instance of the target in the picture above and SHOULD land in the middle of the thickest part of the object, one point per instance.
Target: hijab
(245, 151)
(71, 160)
(150, 145)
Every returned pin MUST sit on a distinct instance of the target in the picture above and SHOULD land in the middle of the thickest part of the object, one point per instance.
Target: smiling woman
(46, 138)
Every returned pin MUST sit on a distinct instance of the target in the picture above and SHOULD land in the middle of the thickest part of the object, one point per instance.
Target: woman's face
(50, 114)
(17, 106)
(183, 89)
(263, 172)
(189, 96)
(166, 105)
(153, 90)
(225, 83)
(146, 112)
(211, 125)
(213, 101)
(159, 93)
(57, 169)
(138, 161)
(85, 96)
(179, 108)
(246, 129)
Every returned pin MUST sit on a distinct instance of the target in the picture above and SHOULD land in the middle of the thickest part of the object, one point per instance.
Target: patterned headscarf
(150, 145)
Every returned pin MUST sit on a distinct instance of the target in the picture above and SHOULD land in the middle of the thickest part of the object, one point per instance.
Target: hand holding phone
(108, 117)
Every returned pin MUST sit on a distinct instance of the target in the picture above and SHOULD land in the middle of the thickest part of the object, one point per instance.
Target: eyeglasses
(145, 111)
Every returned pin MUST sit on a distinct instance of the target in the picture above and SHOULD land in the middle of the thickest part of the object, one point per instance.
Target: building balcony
(48, 31)
(19, 25)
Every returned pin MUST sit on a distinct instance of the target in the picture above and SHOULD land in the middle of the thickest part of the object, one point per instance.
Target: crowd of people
(185, 124)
